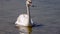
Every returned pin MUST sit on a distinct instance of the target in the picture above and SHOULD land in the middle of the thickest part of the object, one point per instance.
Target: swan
(25, 19)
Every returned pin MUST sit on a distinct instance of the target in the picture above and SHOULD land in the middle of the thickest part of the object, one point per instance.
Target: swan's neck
(28, 10)
(28, 13)
(28, 4)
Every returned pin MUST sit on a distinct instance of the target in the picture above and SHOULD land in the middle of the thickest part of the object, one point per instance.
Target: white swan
(25, 19)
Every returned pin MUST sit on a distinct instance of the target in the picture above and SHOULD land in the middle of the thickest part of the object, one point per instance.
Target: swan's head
(28, 2)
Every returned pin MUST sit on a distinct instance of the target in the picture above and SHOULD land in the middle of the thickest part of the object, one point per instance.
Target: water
(45, 13)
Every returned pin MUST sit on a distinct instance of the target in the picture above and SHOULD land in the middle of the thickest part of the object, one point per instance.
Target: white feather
(23, 20)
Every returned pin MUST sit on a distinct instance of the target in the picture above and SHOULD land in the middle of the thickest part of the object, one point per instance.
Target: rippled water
(45, 13)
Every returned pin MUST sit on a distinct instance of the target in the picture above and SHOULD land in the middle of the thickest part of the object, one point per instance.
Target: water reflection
(24, 30)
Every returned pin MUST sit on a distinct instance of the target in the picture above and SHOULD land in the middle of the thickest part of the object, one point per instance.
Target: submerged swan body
(23, 20)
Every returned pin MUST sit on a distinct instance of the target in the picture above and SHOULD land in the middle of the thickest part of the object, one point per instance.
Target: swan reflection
(25, 30)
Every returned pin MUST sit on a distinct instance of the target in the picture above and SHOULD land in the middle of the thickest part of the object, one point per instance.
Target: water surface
(45, 12)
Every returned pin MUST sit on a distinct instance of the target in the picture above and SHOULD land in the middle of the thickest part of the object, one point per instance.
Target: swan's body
(25, 19)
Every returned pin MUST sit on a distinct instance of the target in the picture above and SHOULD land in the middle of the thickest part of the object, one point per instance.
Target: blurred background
(46, 13)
